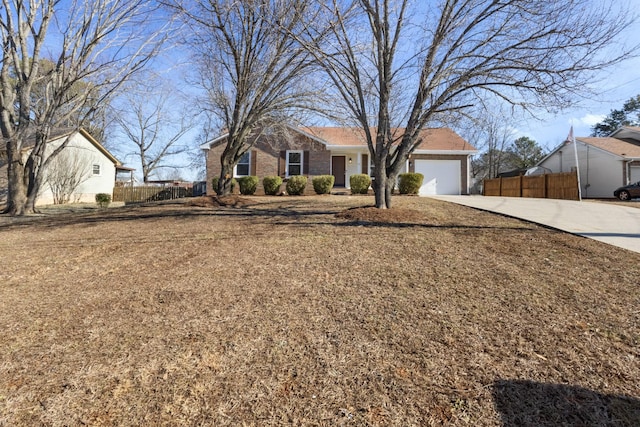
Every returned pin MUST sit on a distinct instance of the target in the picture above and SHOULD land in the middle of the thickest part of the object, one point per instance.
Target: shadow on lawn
(146, 211)
(528, 403)
(271, 214)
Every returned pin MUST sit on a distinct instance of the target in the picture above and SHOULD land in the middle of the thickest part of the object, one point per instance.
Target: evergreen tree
(525, 153)
(629, 115)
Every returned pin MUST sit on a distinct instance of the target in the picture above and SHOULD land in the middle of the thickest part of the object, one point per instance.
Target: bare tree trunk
(17, 197)
(225, 179)
(379, 190)
(389, 191)
(227, 163)
(381, 187)
(33, 167)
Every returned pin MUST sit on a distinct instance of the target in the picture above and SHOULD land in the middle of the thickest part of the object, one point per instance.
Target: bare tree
(250, 68)
(491, 136)
(398, 66)
(65, 173)
(100, 43)
(151, 125)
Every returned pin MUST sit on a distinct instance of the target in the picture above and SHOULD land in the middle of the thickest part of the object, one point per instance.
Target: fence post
(500, 187)
(520, 189)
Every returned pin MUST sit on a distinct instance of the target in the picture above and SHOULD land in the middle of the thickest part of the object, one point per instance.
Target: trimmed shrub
(296, 185)
(214, 184)
(410, 183)
(103, 199)
(360, 183)
(322, 184)
(271, 185)
(248, 185)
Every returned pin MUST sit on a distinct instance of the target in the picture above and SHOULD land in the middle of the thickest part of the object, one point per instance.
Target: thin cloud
(591, 119)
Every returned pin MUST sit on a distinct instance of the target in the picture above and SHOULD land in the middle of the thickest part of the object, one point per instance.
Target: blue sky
(615, 86)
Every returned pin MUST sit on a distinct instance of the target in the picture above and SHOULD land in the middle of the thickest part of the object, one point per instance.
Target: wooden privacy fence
(548, 186)
(149, 193)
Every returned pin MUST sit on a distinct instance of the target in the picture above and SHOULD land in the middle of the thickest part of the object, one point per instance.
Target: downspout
(560, 153)
(587, 185)
(627, 171)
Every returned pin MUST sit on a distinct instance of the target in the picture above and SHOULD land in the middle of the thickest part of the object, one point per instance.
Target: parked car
(628, 192)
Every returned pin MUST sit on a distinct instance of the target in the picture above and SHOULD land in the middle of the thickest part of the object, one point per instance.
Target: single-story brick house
(443, 157)
(604, 163)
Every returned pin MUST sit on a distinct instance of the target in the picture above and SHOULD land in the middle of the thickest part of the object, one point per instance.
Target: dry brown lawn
(313, 311)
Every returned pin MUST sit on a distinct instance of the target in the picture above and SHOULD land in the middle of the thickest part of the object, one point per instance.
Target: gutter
(627, 171)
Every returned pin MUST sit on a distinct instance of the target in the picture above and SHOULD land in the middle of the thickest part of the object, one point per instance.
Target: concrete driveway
(609, 223)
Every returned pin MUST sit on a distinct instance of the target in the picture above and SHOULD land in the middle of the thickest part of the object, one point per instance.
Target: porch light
(350, 160)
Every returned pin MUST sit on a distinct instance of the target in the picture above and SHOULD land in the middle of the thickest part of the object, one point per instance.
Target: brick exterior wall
(464, 173)
(266, 158)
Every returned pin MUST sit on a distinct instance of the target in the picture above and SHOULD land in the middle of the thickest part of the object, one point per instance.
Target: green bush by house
(296, 185)
(248, 185)
(360, 183)
(322, 184)
(214, 184)
(410, 183)
(271, 185)
(103, 199)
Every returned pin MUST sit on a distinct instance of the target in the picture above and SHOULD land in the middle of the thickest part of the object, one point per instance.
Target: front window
(372, 167)
(242, 168)
(294, 163)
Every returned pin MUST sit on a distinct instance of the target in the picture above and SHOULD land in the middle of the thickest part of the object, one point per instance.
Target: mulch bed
(374, 215)
(215, 201)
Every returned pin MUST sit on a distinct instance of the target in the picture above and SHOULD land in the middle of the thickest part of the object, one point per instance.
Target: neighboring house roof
(435, 139)
(627, 132)
(623, 143)
(615, 146)
(64, 132)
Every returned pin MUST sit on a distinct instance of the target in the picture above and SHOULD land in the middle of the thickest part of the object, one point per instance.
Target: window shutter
(252, 167)
(365, 164)
(282, 163)
(305, 163)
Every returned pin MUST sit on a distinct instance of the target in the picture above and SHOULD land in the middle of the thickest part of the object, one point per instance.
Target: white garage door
(440, 176)
(634, 174)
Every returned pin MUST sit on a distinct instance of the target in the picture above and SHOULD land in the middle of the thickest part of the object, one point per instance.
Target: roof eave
(207, 145)
(347, 147)
(99, 146)
(450, 152)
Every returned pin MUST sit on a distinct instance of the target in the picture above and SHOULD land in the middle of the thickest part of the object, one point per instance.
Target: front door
(338, 170)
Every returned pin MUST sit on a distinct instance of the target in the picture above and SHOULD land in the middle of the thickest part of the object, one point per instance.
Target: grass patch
(313, 311)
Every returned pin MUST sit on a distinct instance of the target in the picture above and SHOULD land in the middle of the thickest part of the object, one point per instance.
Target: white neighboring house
(82, 169)
(604, 163)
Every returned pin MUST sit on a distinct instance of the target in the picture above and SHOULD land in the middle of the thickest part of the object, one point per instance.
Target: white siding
(84, 154)
(353, 168)
(600, 172)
